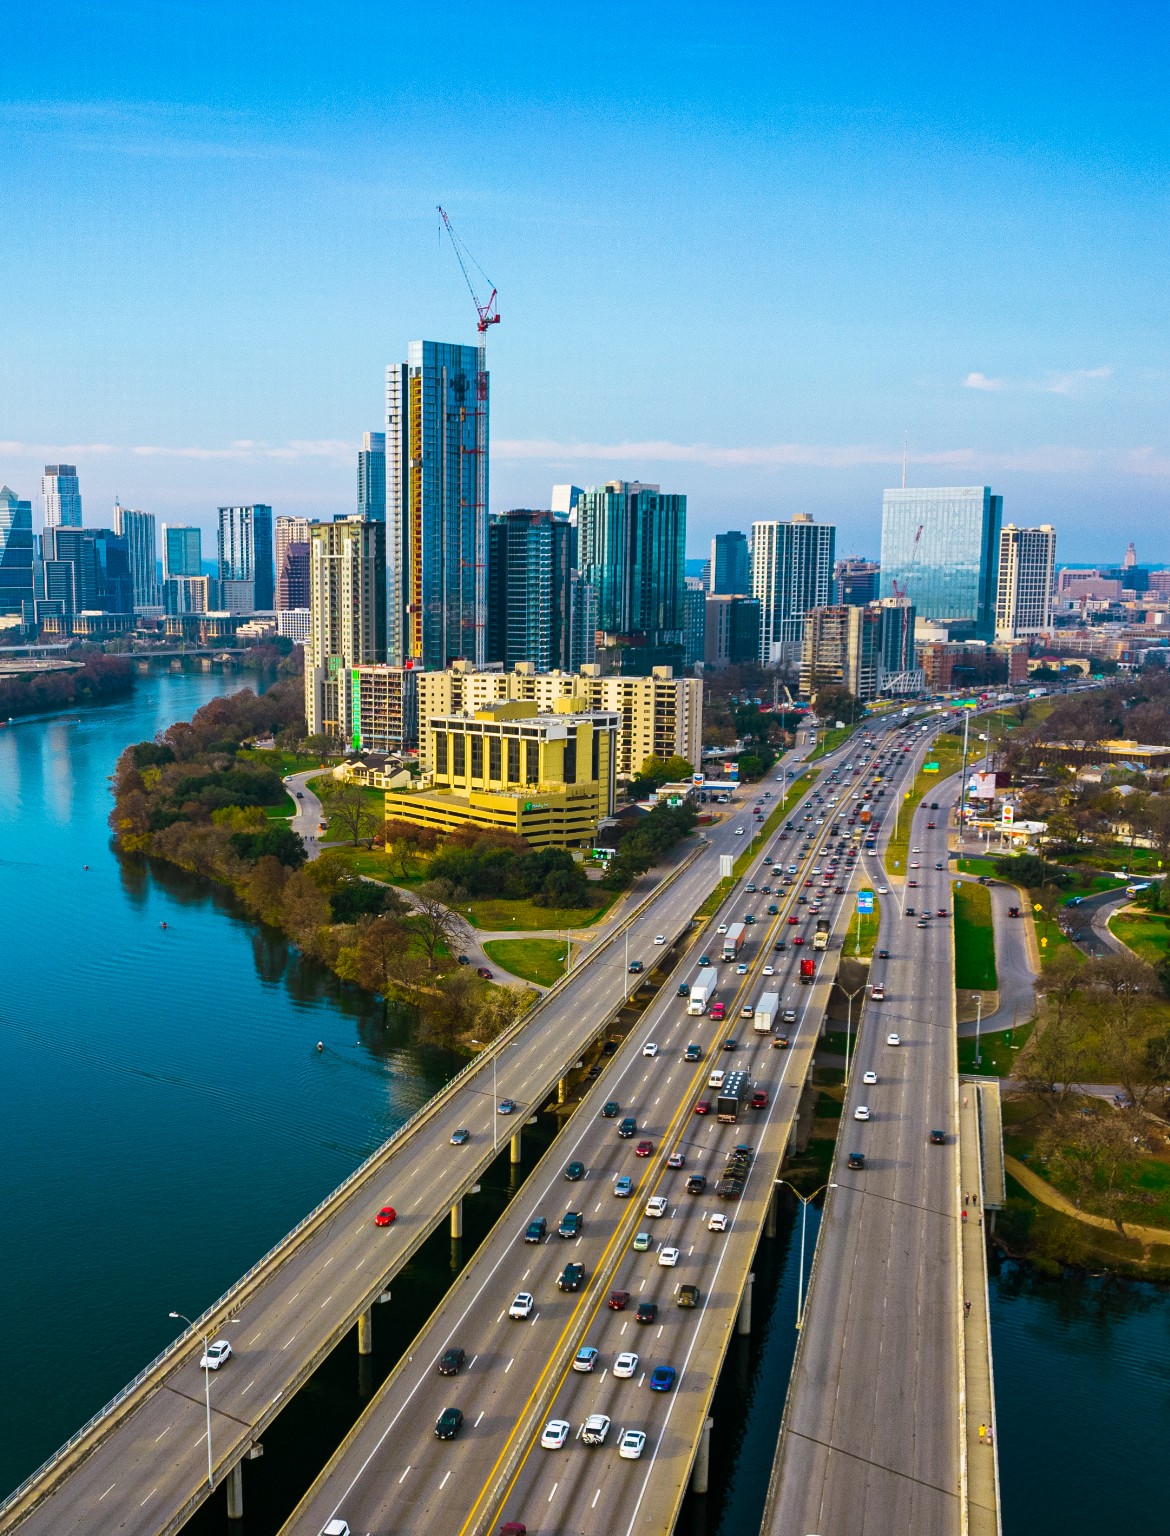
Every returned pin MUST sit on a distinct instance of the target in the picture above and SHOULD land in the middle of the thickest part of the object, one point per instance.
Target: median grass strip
(998, 1053)
(798, 787)
(974, 939)
(538, 960)
(1146, 933)
(947, 752)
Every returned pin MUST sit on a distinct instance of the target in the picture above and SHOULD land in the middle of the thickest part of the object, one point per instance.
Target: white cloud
(981, 381)
(1071, 382)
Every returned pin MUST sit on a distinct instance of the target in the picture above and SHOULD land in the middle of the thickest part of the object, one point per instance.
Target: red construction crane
(488, 313)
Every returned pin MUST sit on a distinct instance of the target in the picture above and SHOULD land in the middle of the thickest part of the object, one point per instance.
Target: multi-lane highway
(871, 1436)
(394, 1473)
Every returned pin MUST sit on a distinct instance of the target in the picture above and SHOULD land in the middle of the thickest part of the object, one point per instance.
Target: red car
(799, 939)
(703, 1107)
(619, 1300)
(931, 825)
(644, 1149)
(385, 1216)
(759, 1099)
(792, 919)
(482, 970)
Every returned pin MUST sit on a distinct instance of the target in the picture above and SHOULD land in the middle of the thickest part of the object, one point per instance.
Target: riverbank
(98, 680)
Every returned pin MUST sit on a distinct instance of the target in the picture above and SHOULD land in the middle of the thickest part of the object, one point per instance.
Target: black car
(571, 1277)
(883, 954)
(647, 1312)
(938, 1138)
(535, 1230)
(684, 989)
(627, 1127)
(779, 946)
(609, 1109)
(856, 1160)
(571, 1224)
(448, 1424)
(730, 1044)
(451, 1361)
(696, 1184)
(574, 1172)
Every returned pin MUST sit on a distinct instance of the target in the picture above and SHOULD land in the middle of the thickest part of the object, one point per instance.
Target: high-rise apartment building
(632, 552)
(16, 553)
(842, 647)
(382, 713)
(86, 570)
(856, 581)
(531, 561)
(61, 493)
(371, 477)
(292, 562)
(940, 548)
(182, 551)
(898, 618)
(347, 586)
(138, 529)
(730, 566)
(437, 504)
(186, 594)
(1024, 582)
(245, 551)
(584, 622)
(792, 571)
(731, 630)
(694, 621)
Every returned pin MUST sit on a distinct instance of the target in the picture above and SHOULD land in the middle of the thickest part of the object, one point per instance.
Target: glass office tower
(182, 551)
(531, 562)
(138, 529)
(371, 478)
(940, 546)
(731, 564)
(245, 551)
(632, 551)
(16, 553)
(61, 491)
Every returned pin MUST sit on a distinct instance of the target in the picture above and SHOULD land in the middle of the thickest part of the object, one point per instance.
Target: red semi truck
(807, 971)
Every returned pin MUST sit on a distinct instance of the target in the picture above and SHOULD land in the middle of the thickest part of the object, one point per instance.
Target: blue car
(624, 1187)
(662, 1378)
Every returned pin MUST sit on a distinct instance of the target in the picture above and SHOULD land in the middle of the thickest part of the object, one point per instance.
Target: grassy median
(974, 939)
(538, 960)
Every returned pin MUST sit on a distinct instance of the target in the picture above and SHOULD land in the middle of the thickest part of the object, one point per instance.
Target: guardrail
(282, 1249)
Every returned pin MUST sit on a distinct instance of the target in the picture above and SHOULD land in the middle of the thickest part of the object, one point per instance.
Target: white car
(893, 1039)
(769, 970)
(716, 1078)
(916, 850)
(656, 1205)
(718, 1223)
(649, 1049)
(741, 970)
(914, 864)
(626, 1364)
(586, 1358)
(739, 831)
(861, 1112)
(668, 1258)
(216, 1354)
(660, 938)
(631, 1443)
(595, 1429)
(882, 891)
(869, 1079)
(521, 1306)
(556, 1432)
(722, 928)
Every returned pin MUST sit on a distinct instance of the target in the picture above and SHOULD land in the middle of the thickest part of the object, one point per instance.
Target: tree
(450, 1012)
(382, 957)
(1022, 709)
(348, 808)
(434, 921)
(1096, 1151)
(263, 889)
(404, 840)
(668, 770)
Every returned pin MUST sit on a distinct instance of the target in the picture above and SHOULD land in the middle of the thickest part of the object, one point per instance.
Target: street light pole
(805, 1202)
(849, 1030)
(206, 1397)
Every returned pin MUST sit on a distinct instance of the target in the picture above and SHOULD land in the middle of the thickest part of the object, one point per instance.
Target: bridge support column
(514, 1157)
(235, 1492)
(743, 1320)
(366, 1332)
(562, 1090)
(701, 1474)
(457, 1218)
(770, 1217)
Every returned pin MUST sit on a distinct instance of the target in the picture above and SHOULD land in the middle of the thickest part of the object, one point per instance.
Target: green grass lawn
(495, 912)
(281, 762)
(538, 960)
(281, 812)
(985, 867)
(1146, 933)
(869, 931)
(831, 739)
(974, 939)
(999, 1052)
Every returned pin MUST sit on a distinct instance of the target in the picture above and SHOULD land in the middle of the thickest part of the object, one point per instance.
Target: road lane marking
(359, 1265)
(596, 1496)
(481, 1414)
(402, 1479)
(509, 1365)
(285, 1345)
(255, 1336)
(292, 1298)
(244, 1393)
(326, 1302)
(110, 1489)
(474, 1358)
(149, 1496)
(446, 1475)
(166, 1431)
(552, 1491)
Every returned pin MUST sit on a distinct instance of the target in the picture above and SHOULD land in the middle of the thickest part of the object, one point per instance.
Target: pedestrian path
(1044, 1192)
(982, 1480)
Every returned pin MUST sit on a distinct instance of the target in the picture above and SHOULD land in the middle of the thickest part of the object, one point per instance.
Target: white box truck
(702, 990)
(766, 1013)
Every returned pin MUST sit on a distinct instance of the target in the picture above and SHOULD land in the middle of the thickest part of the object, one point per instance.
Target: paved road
(309, 815)
(870, 1440)
(1087, 922)
(1014, 966)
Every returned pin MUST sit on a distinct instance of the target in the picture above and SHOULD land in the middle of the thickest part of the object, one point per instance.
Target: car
(509, 1528)
(386, 1216)
(451, 1361)
(793, 919)
(571, 1225)
(798, 940)
(861, 1112)
(746, 1011)
(716, 1078)
(631, 1444)
(618, 1301)
(300, 796)
(660, 938)
(650, 1049)
(780, 1043)
(717, 1223)
(647, 1312)
(575, 1171)
(215, 1355)
(463, 959)
(662, 1378)
(448, 1424)
(722, 928)
(656, 1205)
(739, 831)
(882, 891)
(535, 1231)
(788, 1016)
(704, 960)
(703, 1107)
(731, 1043)
(931, 825)
(642, 1242)
(939, 866)
(942, 912)
(769, 970)
(483, 973)
(750, 888)
(688, 1296)
(718, 1012)
(460, 1136)
(693, 1052)
(922, 922)
(506, 1107)
(741, 969)
(668, 1257)
(595, 1429)
(522, 1305)
(626, 1127)
(570, 1277)
(912, 884)
(893, 1039)
(938, 1138)
(780, 946)
(855, 1160)
(909, 911)
(696, 1184)
(555, 1433)
(610, 1109)
(676, 1160)
(869, 1078)
(878, 992)
(759, 1099)
(635, 967)
(341, 1528)
(586, 1358)
(623, 1187)
(644, 1148)
(684, 989)
(883, 954)
(625, 1365)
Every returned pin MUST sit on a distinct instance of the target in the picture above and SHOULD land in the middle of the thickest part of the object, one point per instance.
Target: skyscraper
(531, 559)
(437, 504)
(855, 581)
(940, 548)
(632, 551)
(292, 562)
(731, 564)
(347, 583)
(16, 553)
(371, 477)
(792, 571)
(1027, 562)
(87, 570)
(138, 529)
(898, 615)
(842, 648)
(245, 551)
(182, 550)
(694, 621)
(731, 630)
(62, 496)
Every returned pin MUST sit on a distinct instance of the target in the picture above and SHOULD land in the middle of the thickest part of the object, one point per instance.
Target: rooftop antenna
(905, 455)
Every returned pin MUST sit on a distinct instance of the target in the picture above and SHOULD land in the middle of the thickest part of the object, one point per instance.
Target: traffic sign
(864, 902)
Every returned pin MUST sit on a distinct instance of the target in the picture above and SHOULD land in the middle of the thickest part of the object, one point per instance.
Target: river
(166, 1117)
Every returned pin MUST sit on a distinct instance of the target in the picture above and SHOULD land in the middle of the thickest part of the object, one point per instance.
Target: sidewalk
(1044, 1192)
(979, 1403)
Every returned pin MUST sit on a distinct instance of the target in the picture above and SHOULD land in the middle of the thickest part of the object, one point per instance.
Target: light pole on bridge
(206, 1395)
(805, 1202)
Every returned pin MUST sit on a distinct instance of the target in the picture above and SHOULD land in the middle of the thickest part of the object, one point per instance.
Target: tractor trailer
(733, 941)
(765, 1015)
(702, 990)
(731, 1096)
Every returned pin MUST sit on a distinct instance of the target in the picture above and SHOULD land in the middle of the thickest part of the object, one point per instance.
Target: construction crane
(488, 313)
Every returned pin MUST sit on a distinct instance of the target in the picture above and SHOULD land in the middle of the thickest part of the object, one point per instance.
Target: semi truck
(808, 971)
(821, 937)
(702, 990)
(765, 1015)
(731, 1096)
(733, 941)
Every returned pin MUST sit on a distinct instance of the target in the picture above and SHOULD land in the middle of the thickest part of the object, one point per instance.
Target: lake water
(165, 1117)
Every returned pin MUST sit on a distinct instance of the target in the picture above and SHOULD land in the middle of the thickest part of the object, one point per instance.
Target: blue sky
(742, 250)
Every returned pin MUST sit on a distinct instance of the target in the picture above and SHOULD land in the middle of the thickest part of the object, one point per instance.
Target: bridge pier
(562, 1090)
(701, 1474)
(457, 1218)
(235, 1492)
(743, 1319)
(366, 1332)
(514, 1156)
(770, 1217)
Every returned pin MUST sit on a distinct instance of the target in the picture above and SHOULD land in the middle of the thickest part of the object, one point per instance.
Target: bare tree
(1096, 1151)
(434, 921)
(348, 807)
